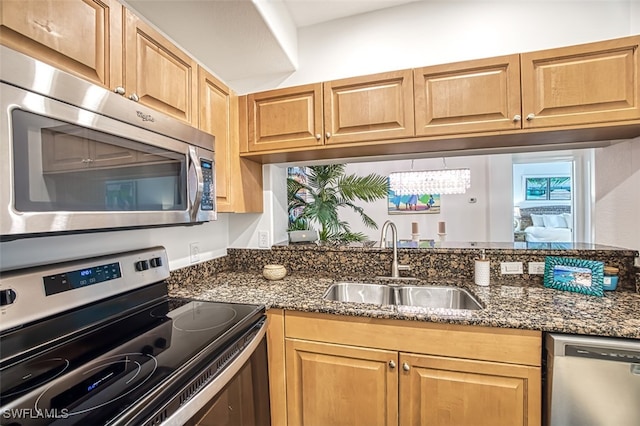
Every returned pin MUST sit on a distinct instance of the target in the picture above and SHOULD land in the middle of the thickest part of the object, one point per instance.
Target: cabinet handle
(119, 90)
(318, 136)
(517, 117)
(85, 160)
(392, 364)
(134, 97)
(327, 135)
(531, 117)
(405, 366)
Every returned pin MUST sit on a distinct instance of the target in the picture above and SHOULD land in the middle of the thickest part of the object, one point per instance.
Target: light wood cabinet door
(285, 118)
(83, 37)
(465, 97)
(340, 385)
(369, 108)
(159, 74)
(238, 180)
(215, 118)
(584, 84)
(461, 392)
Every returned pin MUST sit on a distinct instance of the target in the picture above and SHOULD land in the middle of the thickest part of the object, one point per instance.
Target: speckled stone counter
(526, 307)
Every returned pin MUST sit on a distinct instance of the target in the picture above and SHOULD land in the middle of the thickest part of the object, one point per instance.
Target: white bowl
(274, 272)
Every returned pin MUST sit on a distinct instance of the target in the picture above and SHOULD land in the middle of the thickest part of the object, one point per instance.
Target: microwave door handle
(195, 171)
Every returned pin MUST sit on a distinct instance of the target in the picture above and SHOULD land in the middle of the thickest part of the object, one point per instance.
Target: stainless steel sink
(378, 294)
(436, 297)
(446, 297)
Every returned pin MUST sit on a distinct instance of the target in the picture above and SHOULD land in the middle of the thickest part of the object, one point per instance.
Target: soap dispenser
(482, 270)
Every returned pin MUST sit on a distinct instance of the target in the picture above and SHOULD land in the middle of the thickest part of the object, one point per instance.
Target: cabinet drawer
(451, 340)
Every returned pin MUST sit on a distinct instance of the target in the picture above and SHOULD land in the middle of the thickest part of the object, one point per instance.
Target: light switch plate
(507, 268)
(536, 268)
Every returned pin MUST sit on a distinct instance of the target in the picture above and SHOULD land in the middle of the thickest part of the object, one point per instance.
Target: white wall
(436, 32)
(212, 238)
(617, 206)
(546, 169)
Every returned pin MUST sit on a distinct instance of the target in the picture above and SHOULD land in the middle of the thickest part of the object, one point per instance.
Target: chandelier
(444, 181)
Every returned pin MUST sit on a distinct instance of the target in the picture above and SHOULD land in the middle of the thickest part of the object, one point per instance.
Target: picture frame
(411, 204)
(576, 275)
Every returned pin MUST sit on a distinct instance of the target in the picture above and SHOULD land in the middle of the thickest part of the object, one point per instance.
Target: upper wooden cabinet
(374, 107)
(588, 83)
(472, 96)
(238, 180)
(83, 37)
(157, 73)
(285, 118)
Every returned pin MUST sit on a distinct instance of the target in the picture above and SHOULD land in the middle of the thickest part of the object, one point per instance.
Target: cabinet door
(162, 76)
(584, 84)
(285, 118)
(214, 101)
(472, 96)
(458, 392)
(340, 385)
(238, 180)
(83, 37)
(368, 108)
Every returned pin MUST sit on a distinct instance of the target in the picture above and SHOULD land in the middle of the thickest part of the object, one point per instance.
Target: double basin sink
(446, 297)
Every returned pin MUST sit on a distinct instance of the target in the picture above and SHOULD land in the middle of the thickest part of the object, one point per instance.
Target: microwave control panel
(208, 185)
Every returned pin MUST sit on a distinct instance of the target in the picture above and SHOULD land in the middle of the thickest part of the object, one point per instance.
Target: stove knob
(142, 265)
(161, 343)
(7, 297)
(147, 350)
(156, 262)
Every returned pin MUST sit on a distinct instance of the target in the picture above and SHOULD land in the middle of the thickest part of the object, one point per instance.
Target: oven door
(66, 168)
(233, 390)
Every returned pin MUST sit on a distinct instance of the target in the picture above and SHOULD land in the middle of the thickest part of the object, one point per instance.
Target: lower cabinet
(363, 371)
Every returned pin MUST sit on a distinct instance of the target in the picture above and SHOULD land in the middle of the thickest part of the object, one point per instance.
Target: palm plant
(327, 189)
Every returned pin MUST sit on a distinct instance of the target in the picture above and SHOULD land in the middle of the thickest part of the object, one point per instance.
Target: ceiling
(243, 40)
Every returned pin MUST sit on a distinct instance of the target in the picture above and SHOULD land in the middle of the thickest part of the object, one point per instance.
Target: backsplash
(426, 264)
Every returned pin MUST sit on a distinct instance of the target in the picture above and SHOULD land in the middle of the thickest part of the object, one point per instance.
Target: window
(548, 188)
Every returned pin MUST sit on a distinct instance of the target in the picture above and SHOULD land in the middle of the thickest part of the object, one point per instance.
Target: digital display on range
(65, 281)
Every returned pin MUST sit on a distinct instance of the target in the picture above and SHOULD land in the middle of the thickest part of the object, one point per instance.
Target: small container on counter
(482, 270)
(610, 280)
(274, 272)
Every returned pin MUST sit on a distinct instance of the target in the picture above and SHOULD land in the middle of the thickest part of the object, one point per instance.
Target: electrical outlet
(507, 268)
(536, 268)
(194, 252)
(263, 239)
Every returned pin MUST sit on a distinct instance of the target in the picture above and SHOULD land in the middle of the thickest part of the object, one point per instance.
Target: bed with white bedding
(550, 228)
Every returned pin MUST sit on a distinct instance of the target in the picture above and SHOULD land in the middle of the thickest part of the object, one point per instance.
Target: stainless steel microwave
(75, 157)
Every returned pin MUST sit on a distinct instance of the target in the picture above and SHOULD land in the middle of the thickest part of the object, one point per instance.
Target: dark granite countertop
(616, 314)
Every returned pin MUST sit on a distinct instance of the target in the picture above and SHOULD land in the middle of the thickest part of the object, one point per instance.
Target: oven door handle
(186, 412)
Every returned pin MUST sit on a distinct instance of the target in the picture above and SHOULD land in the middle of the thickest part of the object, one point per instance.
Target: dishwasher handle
(603, 353)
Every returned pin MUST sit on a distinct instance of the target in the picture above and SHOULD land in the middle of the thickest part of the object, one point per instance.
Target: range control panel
(29, 294)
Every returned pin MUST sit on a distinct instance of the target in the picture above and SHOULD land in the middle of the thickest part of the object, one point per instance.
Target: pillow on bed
(537, 220)
(554, 221)
(568, 219)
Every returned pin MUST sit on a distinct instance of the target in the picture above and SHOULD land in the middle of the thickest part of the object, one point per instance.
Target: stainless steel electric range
(99, 342)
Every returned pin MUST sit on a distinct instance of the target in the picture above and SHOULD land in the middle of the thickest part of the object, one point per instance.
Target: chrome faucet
(395, 268)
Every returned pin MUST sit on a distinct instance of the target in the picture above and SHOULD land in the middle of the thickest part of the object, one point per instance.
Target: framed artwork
(577, 275)
(547, 188)
(414, 203)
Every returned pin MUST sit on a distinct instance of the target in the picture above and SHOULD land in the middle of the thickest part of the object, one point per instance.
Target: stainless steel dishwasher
(592, 381)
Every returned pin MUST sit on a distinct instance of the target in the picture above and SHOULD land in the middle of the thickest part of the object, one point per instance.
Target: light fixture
(444, 181)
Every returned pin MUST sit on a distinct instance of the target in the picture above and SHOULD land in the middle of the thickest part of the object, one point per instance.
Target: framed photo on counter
(577, 275)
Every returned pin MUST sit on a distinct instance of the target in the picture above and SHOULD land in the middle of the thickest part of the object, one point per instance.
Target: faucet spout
(395, 268)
